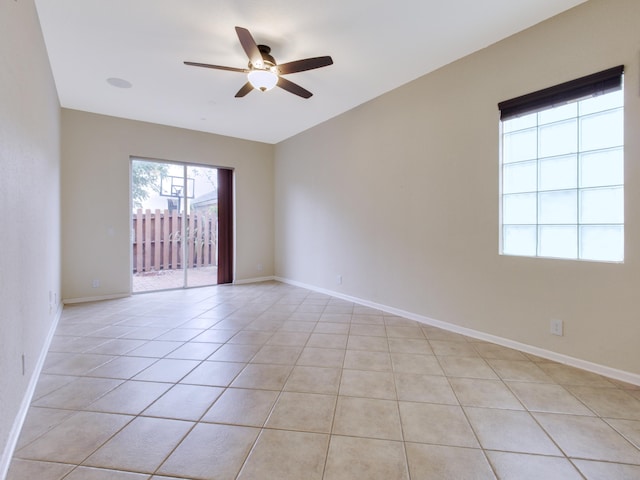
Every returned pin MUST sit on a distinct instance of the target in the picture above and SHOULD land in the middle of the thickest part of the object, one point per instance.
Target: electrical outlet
(557, 327)
(95, 283)
(259, 267)
(339, 279)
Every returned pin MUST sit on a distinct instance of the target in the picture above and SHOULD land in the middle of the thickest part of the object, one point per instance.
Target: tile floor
(270, 381)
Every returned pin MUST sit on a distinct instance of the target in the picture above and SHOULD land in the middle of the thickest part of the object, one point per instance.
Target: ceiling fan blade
(250, 47)
(294, 88)
(306, 64)
(217, 67)
(246, 88)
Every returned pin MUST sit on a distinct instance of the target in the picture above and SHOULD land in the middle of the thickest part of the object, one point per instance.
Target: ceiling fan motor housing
(269, 61)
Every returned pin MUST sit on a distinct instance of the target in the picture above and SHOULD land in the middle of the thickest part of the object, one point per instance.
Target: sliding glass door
(202, 227)
(174, 225)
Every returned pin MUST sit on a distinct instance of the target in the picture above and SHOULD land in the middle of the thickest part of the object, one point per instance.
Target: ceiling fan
(263, 72)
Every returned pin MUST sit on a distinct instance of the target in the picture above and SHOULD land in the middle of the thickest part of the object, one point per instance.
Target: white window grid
(534, 124)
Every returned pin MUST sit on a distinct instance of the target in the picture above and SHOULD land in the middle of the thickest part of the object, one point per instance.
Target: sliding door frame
(225, 228)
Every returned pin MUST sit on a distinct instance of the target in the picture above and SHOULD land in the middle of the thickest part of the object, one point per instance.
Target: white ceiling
(376, 45)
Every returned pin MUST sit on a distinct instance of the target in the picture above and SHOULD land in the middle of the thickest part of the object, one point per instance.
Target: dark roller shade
(592, 85)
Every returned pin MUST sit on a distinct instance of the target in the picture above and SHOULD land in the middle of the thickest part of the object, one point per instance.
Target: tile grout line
(335, 408)
(464, 412)
(262, 428)
(395, 386)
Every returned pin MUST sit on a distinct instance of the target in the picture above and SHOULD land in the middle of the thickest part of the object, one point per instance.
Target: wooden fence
(157, 240)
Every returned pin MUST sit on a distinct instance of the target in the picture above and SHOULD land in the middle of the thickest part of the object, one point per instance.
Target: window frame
(607, 81)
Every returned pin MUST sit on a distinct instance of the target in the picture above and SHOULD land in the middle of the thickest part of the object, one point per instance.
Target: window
(562, 171)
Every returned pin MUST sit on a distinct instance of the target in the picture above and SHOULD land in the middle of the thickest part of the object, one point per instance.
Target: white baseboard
(18, 422)
(254, 280)
(604, 370)
(68, 301)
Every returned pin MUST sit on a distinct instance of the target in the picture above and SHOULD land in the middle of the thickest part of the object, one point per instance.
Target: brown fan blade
(246, 88)
(294, 88)
(306, 64)
(217, 67)
(250, 47)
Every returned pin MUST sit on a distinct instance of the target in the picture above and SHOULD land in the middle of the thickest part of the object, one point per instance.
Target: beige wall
(400, 197)
(29, 200)
(95, 196)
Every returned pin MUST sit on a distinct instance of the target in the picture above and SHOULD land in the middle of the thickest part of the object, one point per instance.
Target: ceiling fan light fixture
(263, 80)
